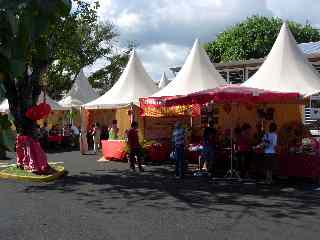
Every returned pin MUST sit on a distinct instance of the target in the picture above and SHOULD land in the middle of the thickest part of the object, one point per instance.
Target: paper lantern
(32, 114)
(43, 109)
(38, 112)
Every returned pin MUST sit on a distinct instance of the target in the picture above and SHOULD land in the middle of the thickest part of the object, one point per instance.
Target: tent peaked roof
(197, 74)
(53, 104)
(133, 84)
(286, 69)
(164, 81)
(80, 93)
(4, 106)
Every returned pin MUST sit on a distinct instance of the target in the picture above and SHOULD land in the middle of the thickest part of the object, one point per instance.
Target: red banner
(156, 107)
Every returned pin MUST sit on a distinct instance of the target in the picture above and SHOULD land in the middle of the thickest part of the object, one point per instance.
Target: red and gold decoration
(38, 112)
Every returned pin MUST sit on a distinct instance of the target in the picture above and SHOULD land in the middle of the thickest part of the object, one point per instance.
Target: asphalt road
(106, 201)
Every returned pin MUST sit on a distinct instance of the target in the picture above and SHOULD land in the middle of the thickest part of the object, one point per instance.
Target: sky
(166, 29)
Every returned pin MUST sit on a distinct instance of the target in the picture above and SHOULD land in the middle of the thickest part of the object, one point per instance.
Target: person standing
(83, 141)
(75, 133)
(114, 130)
(75, 130)
(96, 137)
(257, 137)
(178, 143)
(270, 141)
(244, 150)
(207, 156)
(135, 149)
(104, 133)
(66, 133)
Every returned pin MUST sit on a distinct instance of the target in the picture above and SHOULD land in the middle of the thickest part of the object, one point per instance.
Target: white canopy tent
(4, 106)
(197, 74)
(163, 81)
(286, 69)
(80, 93)
(133, 84)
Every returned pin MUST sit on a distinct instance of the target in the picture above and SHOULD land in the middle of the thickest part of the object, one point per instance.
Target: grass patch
(20, 172)
(12, 172)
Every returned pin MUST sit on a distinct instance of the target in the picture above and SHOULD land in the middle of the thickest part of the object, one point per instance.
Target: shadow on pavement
(157, 188)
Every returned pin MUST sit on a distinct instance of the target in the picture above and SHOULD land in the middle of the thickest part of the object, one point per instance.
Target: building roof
(133, 84)
(197, 74)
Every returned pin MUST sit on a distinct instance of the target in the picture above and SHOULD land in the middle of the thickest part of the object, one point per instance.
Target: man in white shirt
(75, 130)
(75, 133)
(270, 141)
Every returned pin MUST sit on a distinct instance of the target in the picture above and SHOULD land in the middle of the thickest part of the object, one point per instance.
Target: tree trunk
(22, 95)
(3, 154)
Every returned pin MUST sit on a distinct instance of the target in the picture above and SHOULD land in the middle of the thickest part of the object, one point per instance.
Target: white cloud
(157, 58)
(298, 10)
(166, 29)
(127, 21)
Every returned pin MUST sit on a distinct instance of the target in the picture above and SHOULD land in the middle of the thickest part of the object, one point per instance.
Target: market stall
(273, 94)
(80, 93)
(197, 74)
(121, 102)
(232, 106)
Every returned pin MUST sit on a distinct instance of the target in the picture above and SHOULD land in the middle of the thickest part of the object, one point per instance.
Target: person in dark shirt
(243, 150)
(258, 136)
(178, 143)
(135, 149)
(104, 133)
(207, 155)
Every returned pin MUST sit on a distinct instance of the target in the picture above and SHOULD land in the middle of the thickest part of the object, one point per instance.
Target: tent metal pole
(232, 173)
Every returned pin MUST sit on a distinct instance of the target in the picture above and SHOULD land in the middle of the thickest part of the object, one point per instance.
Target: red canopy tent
(238, 95)
(234, 94)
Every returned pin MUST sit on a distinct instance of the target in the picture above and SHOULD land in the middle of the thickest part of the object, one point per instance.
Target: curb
(48, 178)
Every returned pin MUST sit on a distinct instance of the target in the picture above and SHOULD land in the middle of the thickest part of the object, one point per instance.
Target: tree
(77, 40)
(254, 38)
(106, 77)
(25, 54)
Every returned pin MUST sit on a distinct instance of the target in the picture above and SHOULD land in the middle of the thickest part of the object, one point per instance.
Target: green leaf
(254, 38)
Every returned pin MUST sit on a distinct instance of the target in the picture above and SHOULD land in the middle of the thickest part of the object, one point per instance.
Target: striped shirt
(66, 131)
(178, 137)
